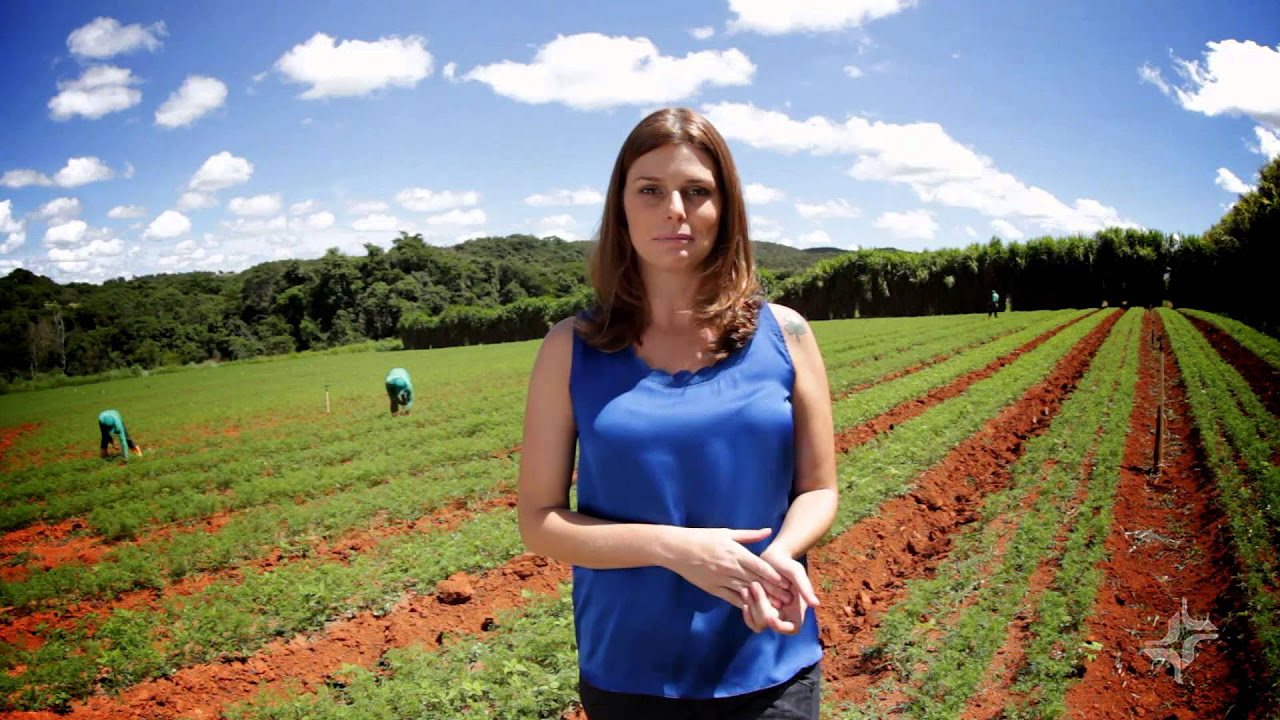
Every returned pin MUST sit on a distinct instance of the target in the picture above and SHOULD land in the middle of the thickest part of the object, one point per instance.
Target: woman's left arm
(814, 507)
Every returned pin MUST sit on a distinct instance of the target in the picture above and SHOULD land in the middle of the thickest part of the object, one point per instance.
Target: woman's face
(672, 208)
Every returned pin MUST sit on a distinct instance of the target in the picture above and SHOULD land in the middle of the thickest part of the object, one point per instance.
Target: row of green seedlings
(132, 567)
(891, 359)
(943, 635)
(853, 337)
(1258, 343)
(1240, 437)
(527, 668)
(868, 352)
(880, 399)
(61, 492)
(239, 626)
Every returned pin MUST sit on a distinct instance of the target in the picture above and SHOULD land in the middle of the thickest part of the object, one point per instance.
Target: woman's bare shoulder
(793, 323)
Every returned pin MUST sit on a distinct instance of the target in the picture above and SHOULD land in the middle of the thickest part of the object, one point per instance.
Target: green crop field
(1005, 545)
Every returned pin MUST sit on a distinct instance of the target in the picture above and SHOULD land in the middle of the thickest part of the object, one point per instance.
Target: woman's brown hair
(728, 298)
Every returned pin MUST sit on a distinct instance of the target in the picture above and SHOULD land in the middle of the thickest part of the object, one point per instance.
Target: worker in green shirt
(109, 422)
(400, 391)
(994, 310)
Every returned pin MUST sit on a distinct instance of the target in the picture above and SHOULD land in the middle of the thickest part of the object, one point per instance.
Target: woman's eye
(649, 190)
(699, 191)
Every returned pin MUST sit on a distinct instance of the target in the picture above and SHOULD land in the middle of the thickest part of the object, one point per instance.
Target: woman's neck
(670, 301)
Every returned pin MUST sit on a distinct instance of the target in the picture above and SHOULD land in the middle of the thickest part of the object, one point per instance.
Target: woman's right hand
(715, 560)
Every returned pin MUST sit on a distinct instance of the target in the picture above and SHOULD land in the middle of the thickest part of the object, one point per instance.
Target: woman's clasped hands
(772, 589)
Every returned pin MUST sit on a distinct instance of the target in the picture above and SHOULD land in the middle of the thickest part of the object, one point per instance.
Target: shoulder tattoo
(795, 327)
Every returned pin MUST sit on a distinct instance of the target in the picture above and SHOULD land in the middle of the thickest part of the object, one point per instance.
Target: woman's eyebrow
(650, 178)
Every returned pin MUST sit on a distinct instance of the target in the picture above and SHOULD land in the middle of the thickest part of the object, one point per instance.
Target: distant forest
(290, 305)
(511, 288)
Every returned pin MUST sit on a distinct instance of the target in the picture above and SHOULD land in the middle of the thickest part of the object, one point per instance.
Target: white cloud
(7, 222)
(59, 210)
(376, 223)
(770, 17)
(68, 233)
(306, 121)
(563, 198)
(23, 178)
(450, 72)
(304, 207)
(458, 217)
(100, 90)
(1006, 229)
(763, 228)
(817, 238)
(94, 249)
(590, 71)
(128, 170)
(424, 200)
(909, 225)
(367, 207)
(320, 221)
(15, 228)
(759, 194)
(853, 71)
(257, 226)
(355, 67)
(1268, 143)
(559, 225)
(126, 212)
(256, 206)
(1228, 181)
(9, 266)
(838, 208)
(968, 230)
(82, 171)
(1151, 76)
(921, 156)
(1234, 78)
(197, 97)
(12, 243)
(105, 37)
(169, 224)
(221, 171)
(702, 33)
(192, 200)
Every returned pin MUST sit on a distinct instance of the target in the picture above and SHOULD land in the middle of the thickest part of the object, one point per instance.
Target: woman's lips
(683, 238)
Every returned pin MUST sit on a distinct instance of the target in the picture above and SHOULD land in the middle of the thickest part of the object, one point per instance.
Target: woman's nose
(675, 206)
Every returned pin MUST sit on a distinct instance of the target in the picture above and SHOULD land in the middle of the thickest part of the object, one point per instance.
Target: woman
(110, 422)
(702, 417)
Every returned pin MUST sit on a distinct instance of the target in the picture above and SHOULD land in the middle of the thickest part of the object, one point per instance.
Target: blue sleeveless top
(711, 448)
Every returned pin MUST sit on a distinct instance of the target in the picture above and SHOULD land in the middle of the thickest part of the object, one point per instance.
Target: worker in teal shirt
(400, 391)
(109, 421)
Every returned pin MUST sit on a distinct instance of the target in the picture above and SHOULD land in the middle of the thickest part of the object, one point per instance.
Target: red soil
(908, 537)
(1144, 584)
(919, 366)
(1261, 375)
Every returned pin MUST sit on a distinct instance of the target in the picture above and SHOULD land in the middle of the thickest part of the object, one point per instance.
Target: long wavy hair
(728, 297)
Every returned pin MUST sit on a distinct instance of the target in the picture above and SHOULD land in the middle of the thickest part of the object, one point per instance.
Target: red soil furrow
(885, 422)
(201, 691)
(48, 546)
(9, 436)
(868, 564)
(21, 630)
(1144, 583)
(919, 366)
(1261, 375)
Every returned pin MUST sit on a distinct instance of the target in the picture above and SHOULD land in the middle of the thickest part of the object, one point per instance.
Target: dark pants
(795, 699)
(106, 438)
(994, 309)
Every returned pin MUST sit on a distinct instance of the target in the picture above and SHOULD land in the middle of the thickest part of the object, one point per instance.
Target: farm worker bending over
(109, 421)
(399, 390)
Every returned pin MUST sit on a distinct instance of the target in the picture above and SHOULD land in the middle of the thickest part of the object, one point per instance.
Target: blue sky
(162, 137)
